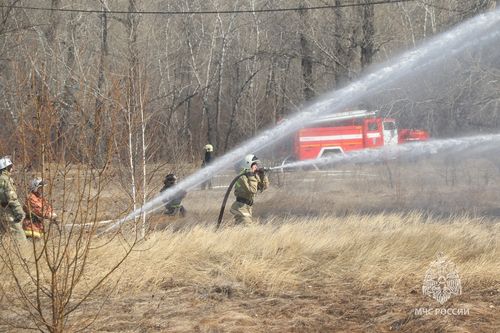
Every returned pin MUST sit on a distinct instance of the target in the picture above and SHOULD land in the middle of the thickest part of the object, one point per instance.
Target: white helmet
(5, 162)
(209, 148)
(35, 183)
(250, 160)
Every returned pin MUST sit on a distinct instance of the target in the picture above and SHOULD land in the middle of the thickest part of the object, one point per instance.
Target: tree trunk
(132, 93)
(186, 129)
(143, 159)
(368, 34)
(218, 110)
(225, 39)
(306, 58)
(69, 101)
(206, 94)
(52, 75)
(98, 141)
(51, 32)
(341, 71)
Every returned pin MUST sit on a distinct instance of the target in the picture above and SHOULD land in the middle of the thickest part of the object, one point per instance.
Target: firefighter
(209, 151)
(173, 207)
(37, 210)
(252, 180)
(11, 210)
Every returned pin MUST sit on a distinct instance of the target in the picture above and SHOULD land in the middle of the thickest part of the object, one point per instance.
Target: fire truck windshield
(389, 125)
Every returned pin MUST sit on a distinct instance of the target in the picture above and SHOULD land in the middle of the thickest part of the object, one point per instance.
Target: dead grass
(354, 273)
(344, 252)
(284, 255)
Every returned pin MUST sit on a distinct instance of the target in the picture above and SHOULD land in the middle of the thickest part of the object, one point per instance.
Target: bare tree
(99, 116)
(306, 55)
(368, 32)
(49, 281)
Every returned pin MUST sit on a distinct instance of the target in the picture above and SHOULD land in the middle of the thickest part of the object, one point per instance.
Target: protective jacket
(246, 188)
(174, 205)
(248, 185)
(37, 209)
(11, 211)
(207, 158)
(11, 208)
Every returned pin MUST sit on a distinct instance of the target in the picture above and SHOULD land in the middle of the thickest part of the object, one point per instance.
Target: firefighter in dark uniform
(173, 206)
(207, 159)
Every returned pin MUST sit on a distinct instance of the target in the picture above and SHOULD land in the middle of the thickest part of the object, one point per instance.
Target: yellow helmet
(209, 148)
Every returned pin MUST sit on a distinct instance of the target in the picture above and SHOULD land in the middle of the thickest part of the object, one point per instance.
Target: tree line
(116, 85)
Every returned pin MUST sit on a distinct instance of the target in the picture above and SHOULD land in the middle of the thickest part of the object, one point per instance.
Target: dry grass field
(353, 273)
(342, 250)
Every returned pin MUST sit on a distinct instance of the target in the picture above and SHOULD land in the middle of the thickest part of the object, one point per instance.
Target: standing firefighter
(173, 206)
(37, 210)
(11, 210)
(253, 179)
(207, 159)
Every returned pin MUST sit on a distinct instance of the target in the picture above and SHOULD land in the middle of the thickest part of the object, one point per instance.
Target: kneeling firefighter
(173, 206)
(252, 180)
(37, 210)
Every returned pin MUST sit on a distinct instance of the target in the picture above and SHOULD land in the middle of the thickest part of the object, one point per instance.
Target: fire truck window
(389, 126)
(372, 126)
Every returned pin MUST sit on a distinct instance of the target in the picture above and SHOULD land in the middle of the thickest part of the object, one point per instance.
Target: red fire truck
(347, 131)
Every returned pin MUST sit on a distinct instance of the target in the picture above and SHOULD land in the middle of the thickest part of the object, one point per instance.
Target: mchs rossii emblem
(441, 280)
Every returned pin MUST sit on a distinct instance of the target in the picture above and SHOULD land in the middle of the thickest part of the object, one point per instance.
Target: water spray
(411, 150)
(434, 51)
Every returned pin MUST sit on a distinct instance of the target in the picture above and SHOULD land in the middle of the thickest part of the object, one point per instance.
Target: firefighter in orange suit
(252, 180)
(37, 210)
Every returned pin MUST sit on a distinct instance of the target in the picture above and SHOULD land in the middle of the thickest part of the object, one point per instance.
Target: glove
(261, 173)
(249, 174)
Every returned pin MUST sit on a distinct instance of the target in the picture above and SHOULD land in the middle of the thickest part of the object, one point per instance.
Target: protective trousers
(15, 230)
(242, 213)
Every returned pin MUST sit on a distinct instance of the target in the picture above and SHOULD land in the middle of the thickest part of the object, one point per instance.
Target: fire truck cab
(347, 131)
